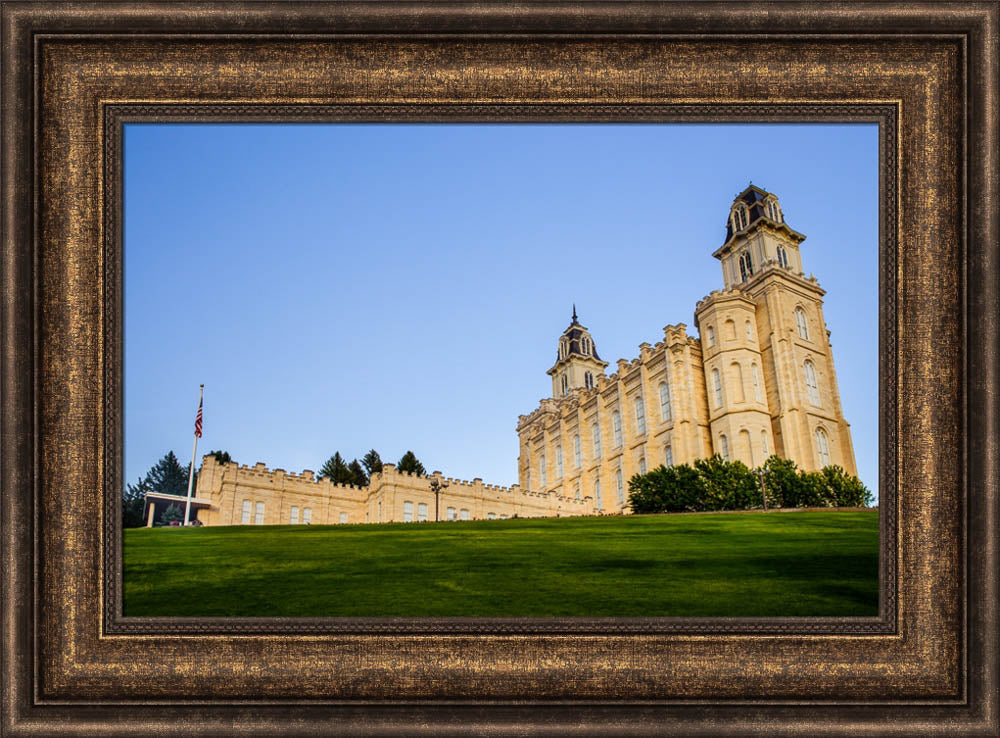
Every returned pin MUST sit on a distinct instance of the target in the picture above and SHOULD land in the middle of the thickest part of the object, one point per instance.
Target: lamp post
(437, 485)
(763, 492)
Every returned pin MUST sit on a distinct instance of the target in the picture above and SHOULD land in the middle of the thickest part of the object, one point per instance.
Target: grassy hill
(815, 563)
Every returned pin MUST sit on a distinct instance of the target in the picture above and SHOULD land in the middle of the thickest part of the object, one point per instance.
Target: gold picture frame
(74, 74)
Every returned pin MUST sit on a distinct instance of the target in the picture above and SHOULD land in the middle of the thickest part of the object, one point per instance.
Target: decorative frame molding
(72, 74)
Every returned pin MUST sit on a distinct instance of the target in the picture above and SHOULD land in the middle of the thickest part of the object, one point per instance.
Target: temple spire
(574, 313)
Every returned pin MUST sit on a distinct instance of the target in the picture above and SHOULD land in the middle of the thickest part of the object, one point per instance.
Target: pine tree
(222, 457)
(372, 462)
(134, 503)
(409, 463)
(168, 477)
(336, 470)
(358, 474)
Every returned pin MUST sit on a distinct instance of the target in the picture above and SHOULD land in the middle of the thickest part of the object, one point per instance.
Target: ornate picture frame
(74, 74)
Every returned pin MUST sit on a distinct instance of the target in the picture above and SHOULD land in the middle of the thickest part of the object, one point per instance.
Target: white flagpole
(194, 452)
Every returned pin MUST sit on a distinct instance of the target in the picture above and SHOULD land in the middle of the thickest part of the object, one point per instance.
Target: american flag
(197, 421)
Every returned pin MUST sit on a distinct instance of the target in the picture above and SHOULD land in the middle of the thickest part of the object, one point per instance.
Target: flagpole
(194, 452)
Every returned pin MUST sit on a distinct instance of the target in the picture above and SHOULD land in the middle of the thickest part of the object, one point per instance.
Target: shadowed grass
(816, 563)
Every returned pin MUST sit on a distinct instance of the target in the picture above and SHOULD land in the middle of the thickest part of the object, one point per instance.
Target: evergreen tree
(372, 462)
(168, 477)
(336, 470)
(409, 463)
(173, 513)
(222, 457)
(134, 503)
(358, 474)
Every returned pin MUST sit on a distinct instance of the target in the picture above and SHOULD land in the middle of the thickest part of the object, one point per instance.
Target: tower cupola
(577, 363)
(757, 237)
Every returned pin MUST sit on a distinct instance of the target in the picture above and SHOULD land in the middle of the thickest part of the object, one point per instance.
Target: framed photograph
(135, 139)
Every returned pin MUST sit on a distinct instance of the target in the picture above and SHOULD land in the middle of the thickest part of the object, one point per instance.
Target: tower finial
(574, 312)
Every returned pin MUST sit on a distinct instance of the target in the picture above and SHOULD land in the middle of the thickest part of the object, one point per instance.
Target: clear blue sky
(346, 287)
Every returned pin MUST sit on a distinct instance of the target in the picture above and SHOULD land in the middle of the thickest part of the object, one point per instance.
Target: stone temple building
(758, 380)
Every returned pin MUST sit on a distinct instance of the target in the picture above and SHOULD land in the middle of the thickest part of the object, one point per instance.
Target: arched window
(717, 383)
(577, 451)
(559, 462)
(245, 519)
(642, 464)
(293, 517)
(343, 518)
(755, 378)
(563, 348)
(749, 330)
(710, 332)
(598, 502)
(258, 515)
(763, 445)
(730, 330)
(585, 346)
(668, 455)
(407, 512)
(616, 425)
(746, 447)
(307, 515)
(565, 383)
(463, 514)
(541, 470)
(724, 447)
(619, 486)
(450, 513)
(743, 269)
(640, 415)
(802, 323)
(588, 380)
(597, 440)
(822, 447)
(665, 410)
(812, 388)
(422, 512)
(737, 372)
(749, 262)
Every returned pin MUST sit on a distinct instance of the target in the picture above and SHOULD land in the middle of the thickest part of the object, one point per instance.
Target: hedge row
(714, 484)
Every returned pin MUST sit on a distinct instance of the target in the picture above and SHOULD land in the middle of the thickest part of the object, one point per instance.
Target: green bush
(715, 484)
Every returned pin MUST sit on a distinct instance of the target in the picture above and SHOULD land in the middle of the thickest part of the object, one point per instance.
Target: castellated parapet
(257, 495)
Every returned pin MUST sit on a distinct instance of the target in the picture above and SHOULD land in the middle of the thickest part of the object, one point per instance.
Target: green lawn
(821, 563)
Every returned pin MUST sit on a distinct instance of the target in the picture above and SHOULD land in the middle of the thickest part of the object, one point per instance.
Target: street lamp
(437, 485)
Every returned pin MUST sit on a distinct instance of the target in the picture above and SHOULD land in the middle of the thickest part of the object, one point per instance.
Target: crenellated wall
(277, 497)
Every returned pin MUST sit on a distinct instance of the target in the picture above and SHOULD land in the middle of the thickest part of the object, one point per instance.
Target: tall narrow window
(585, 346)
(737, 372)
(597, 440)
(642, 465)
(565, 383)
(749, 262)
(812, 388)
(598, 502)
(730, 330)
(746, 447)
(616, 424)
(743, 269)
(710, 332)
(619, 486)
(724, 447)
(258, 514)
(763, 445)
(579, 492)
(588, 380)
(307, 515)
(542, 474)
(294, 516)
(245, 519)
(577, 451)
(822, 447)
(668, 455)
(717, 383)
(749, 330)
(665, 412)
(640, 416)
(407, 512)
(782, 257)
(559, 462)
(450, 513)
(755, 377)
(802, 323)
(422, 512)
